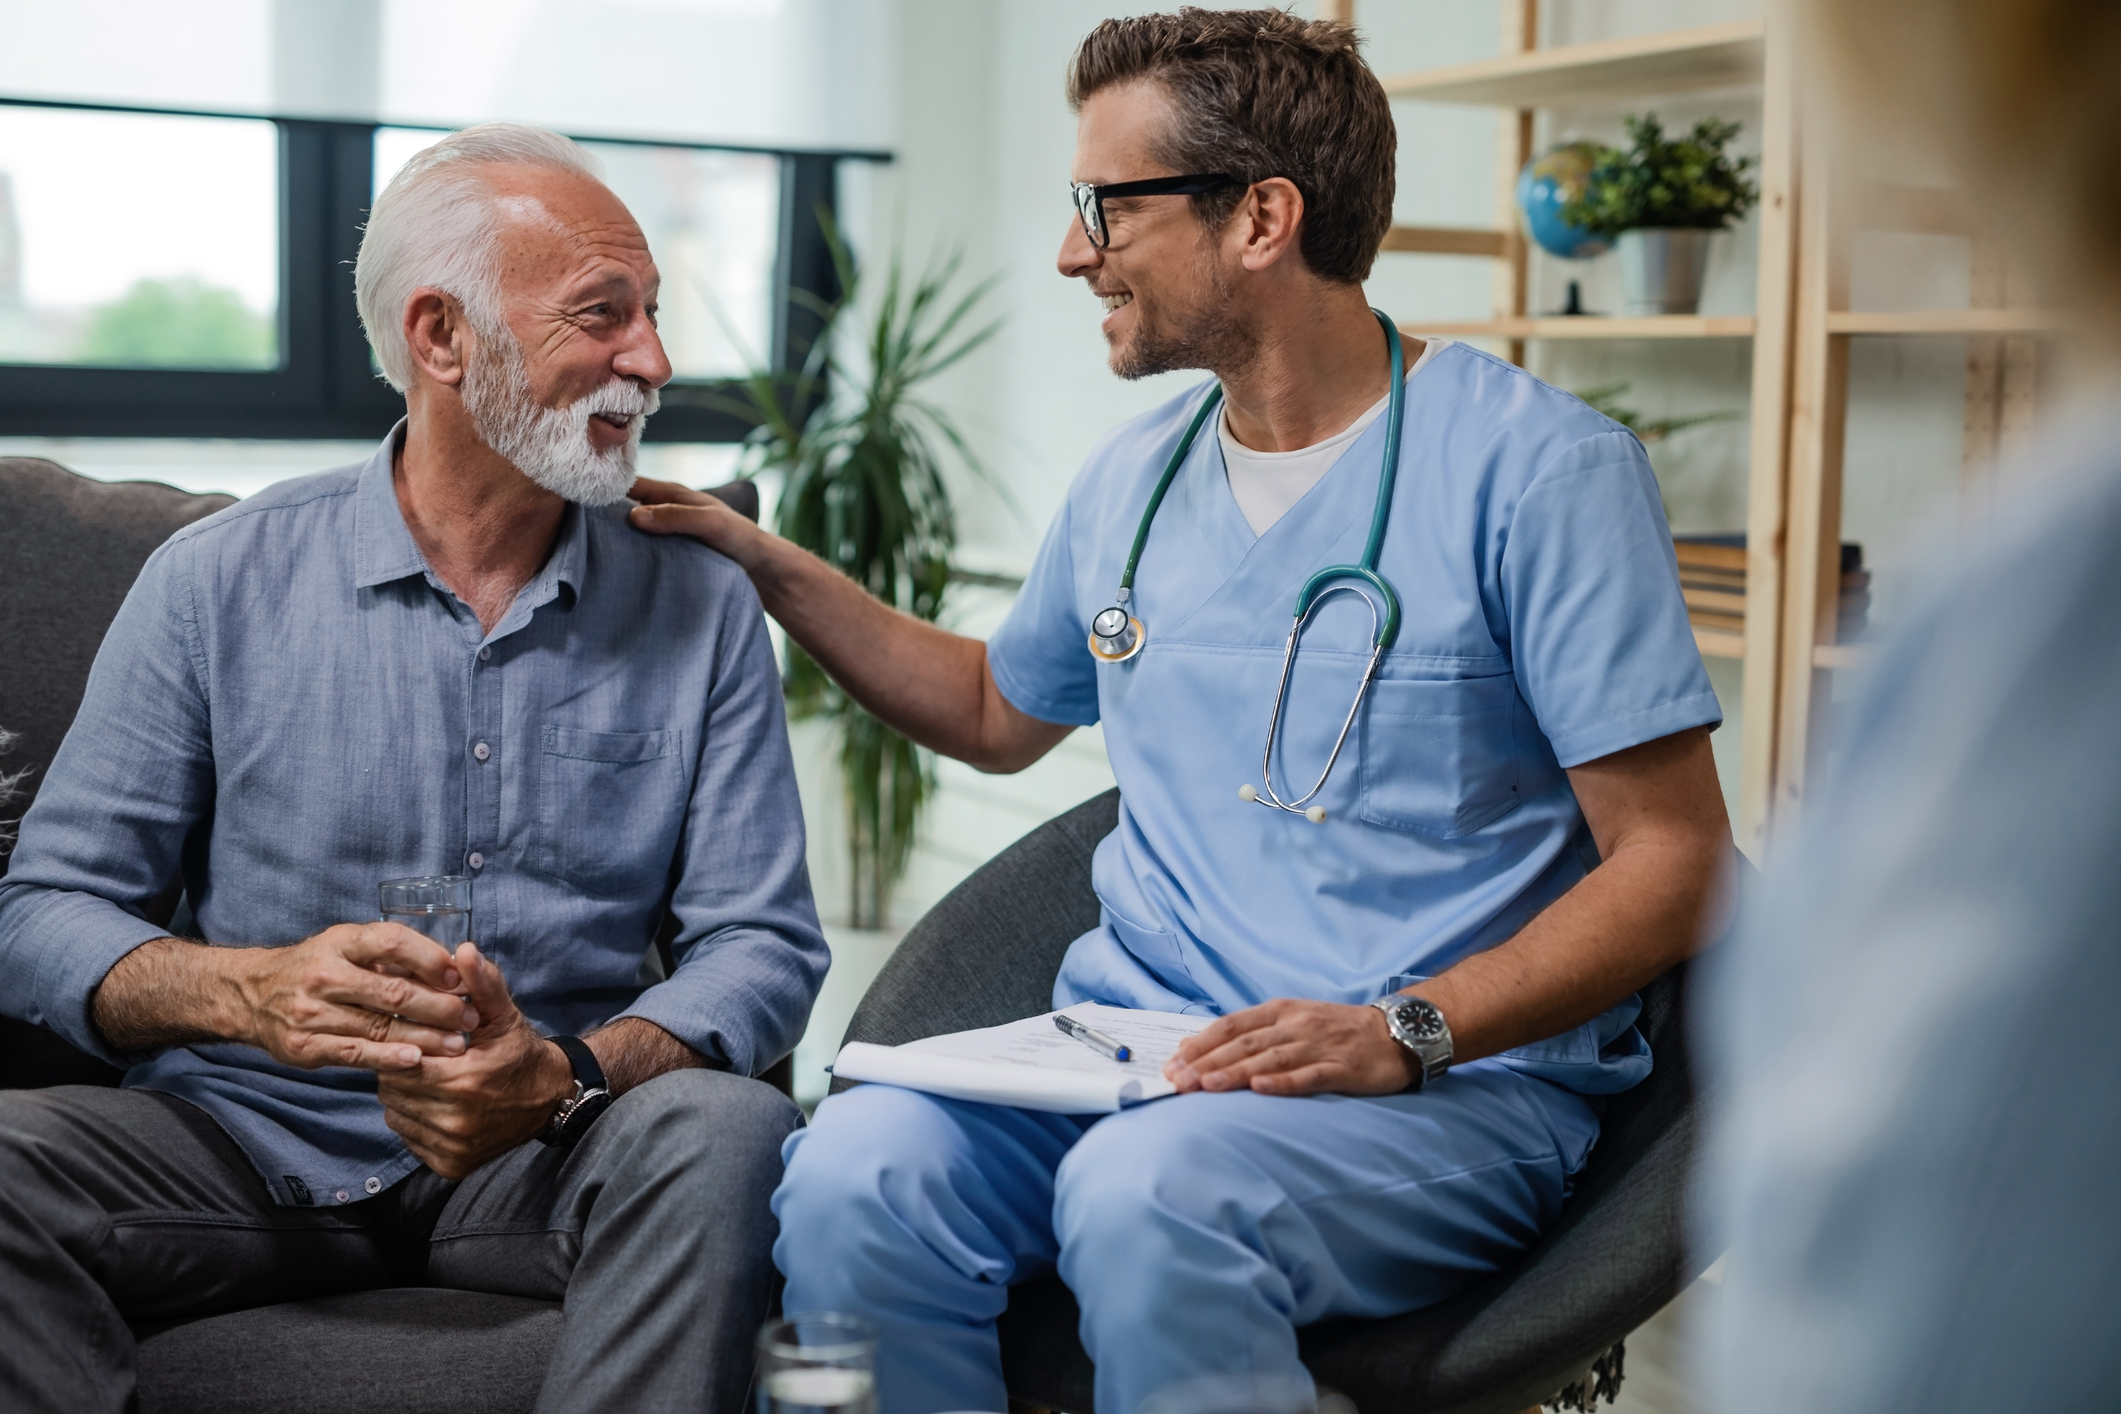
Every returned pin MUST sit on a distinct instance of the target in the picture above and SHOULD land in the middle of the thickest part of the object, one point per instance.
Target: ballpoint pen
(1096, 1040)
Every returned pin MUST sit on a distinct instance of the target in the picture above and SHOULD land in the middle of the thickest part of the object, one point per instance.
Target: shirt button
(342, 1195)
(486, 653)
(477, 860)
(482, 751)
(373, 1185)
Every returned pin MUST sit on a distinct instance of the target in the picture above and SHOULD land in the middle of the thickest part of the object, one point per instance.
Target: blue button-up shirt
(291, 707)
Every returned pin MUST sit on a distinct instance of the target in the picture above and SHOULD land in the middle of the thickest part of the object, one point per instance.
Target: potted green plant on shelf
(860, 452)
(1659, 200)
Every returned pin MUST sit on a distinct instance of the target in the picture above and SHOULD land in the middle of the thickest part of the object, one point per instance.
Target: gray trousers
(121, 1207)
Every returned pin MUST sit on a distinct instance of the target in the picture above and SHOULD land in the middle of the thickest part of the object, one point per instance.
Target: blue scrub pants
(1197, 1232)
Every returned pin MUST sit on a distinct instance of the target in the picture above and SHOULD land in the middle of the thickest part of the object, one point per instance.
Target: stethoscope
(1116, 635)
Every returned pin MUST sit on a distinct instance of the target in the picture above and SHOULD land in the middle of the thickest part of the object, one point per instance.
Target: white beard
(551, 446)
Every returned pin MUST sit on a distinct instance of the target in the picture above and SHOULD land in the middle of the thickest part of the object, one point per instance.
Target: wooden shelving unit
(1751, 55)
(1947, 321)
(1609, 70)
(2004, 333)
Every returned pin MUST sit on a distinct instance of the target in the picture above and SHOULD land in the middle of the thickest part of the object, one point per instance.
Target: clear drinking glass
(817, 1363)
(437, 905)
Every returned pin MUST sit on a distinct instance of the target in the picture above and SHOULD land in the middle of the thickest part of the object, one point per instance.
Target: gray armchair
(70, 548)
(988, 953)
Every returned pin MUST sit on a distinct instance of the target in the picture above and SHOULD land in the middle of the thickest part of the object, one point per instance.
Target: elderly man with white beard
(452, 659)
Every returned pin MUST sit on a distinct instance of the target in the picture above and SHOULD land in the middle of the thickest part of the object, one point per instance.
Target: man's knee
(699, 1118)
(860, 1142)
(1139, 1174)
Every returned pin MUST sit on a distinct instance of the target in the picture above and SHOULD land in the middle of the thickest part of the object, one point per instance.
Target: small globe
(1549, 181)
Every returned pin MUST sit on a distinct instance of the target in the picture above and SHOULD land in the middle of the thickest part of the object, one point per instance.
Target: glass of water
(817, 1363)
(437, 905)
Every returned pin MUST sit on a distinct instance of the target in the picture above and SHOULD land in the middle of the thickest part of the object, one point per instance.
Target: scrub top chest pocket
(1438, 756)
(611, 807)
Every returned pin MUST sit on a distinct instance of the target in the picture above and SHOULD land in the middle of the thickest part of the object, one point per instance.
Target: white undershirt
(1266, 484)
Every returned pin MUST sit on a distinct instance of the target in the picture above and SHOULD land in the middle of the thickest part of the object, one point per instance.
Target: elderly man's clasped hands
(462, 1075)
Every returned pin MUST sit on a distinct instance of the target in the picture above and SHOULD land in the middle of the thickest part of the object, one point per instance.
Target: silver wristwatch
(1420, 1027)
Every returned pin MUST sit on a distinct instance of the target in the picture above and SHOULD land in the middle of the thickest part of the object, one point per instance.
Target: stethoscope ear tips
(1246, 793)
(1316, 815)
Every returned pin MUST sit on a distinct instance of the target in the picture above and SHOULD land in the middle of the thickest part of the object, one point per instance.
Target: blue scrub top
(1543, 627)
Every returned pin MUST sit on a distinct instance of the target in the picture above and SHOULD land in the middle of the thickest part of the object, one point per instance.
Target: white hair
(436, 225)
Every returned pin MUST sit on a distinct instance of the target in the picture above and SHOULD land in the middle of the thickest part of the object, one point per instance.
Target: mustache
(621, 397)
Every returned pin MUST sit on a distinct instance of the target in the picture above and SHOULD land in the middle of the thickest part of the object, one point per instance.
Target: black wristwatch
(591, 1096)
(1419, 1027)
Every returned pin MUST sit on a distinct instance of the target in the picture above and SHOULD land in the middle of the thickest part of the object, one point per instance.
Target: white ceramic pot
(1661, 269)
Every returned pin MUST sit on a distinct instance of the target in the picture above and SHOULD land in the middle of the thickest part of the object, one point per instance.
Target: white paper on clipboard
(1031, 1064)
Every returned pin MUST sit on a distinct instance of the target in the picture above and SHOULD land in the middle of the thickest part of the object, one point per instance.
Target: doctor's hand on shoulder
(667, 508)
(1291, 1047)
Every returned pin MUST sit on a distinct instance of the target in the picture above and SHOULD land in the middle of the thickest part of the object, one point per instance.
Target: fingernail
(409, 1055)
(450, 977)
(453, 1043)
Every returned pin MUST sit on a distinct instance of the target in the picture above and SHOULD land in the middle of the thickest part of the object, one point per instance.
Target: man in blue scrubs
(1542, 711)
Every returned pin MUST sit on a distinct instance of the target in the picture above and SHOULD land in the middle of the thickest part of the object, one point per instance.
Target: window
(131, 241)
(191, 275)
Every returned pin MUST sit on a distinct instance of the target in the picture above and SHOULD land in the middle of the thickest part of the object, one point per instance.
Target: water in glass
(436, 905)
(817, 1363)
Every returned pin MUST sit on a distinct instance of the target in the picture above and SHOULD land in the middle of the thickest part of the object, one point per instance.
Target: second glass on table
(817, 1363)
(436, 905)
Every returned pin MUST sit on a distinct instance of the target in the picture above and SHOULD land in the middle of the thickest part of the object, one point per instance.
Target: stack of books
(1712, 577)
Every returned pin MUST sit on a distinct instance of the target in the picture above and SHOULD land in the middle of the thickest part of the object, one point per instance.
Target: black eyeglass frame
(1090, 200)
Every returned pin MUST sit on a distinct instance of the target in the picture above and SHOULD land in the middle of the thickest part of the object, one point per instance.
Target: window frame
(325, 387)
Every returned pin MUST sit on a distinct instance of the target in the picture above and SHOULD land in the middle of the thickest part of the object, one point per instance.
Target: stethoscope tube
(1117, 635)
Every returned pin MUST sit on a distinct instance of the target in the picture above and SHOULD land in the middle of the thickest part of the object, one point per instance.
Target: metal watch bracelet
(1419, 1027)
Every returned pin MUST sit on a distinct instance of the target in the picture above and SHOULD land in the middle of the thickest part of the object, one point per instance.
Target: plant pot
(1661, 269)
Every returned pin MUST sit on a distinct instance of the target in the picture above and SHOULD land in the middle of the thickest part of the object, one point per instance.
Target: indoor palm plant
(1660, 199)
(860, 452)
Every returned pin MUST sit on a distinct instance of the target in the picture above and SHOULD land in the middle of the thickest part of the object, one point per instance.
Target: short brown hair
(1264, 94)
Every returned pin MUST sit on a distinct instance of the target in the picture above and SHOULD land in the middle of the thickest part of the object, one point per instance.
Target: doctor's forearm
(1631, 919)
(927, 683)
(1657, 815)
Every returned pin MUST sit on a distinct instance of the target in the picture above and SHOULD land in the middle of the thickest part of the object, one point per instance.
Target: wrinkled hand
(456, 1112)
(374, 995)
(1286, 1047)
(670, 509)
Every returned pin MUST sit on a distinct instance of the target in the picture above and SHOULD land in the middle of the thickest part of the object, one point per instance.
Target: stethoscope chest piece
(1116, 635)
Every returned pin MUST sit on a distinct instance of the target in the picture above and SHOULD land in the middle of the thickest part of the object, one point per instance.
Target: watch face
(1422, 1020)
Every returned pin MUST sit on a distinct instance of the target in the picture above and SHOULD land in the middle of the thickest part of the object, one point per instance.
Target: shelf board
(1676, 61)
(1948, 321)
(1719, 643)
(1448, 240)
(1662, 326)
(1840, 655)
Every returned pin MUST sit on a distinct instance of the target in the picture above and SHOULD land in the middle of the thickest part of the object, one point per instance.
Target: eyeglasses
(1090, 200)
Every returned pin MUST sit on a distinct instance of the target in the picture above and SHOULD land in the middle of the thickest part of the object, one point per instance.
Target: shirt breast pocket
(611, 806)
(1438, 757)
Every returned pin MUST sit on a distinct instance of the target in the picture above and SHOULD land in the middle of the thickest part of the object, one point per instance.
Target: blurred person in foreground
(455, 657)
(1915, 1161)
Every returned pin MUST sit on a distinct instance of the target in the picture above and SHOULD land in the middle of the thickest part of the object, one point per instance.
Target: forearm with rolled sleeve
(750, 954)
(98, 863)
